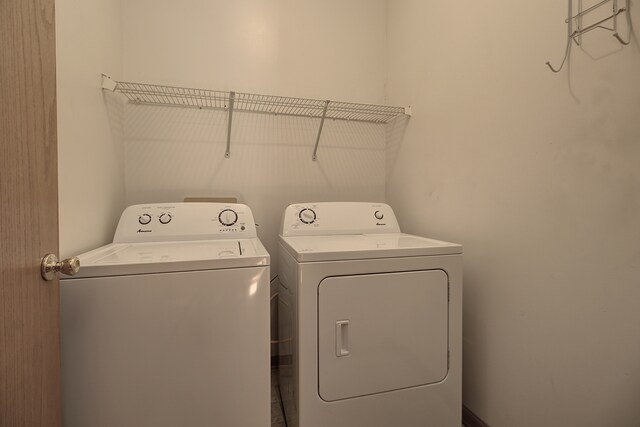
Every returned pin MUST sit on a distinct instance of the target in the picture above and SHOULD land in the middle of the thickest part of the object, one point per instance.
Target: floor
(277, 417)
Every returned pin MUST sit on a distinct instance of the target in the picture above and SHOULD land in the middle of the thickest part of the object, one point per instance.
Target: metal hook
(627, 9)
(566, 55)
(581, 31)
(617, 36)
(570, 33)
(553, 69)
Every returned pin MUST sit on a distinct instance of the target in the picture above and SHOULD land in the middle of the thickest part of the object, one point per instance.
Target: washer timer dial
(228, 217)
(307, 216)
(144, 219)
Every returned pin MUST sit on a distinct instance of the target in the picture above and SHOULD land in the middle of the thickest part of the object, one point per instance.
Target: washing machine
(169, 324)
(370, 320)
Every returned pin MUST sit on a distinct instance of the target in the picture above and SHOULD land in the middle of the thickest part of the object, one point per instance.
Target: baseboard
(469, 419)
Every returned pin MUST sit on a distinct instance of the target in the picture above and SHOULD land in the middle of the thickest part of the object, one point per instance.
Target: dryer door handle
(342, 338)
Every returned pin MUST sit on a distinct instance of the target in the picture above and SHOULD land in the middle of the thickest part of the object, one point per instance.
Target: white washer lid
(364, 246)
(119, 259)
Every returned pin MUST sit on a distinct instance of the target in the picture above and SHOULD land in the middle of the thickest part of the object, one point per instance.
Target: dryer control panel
(185, 221)
(330, 218)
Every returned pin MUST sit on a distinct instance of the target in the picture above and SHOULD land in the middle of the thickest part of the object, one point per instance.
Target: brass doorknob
(50, 266)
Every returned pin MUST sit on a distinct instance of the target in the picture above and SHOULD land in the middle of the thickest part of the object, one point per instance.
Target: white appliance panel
(435, 404)
(165, 350)
(334, 218)
(381, 332)
(363, 246)
(117, 259)
(185, 221)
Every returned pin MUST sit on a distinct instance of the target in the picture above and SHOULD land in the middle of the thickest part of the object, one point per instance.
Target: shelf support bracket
(232, 97)
(108, 83)
(324, 115)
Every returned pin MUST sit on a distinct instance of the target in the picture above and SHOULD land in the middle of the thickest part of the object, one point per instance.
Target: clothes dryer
(370, 320)
(169, 324)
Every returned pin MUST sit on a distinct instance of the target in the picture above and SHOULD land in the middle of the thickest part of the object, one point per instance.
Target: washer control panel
(327, 218)
(185, 221)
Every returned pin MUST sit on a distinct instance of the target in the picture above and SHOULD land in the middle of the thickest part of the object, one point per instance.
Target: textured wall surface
(536, 174)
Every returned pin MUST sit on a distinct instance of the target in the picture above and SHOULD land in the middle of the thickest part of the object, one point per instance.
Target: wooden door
(29, 306)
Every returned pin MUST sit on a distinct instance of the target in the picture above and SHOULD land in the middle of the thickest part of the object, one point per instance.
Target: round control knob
(378, 215)
(228, 217)
(144, 219)
(308, 216)
(165, 218)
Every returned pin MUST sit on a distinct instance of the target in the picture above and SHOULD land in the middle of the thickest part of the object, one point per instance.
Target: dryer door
(381, 332)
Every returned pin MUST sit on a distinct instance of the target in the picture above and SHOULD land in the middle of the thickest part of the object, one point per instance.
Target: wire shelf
(143, 93)
(173, 96)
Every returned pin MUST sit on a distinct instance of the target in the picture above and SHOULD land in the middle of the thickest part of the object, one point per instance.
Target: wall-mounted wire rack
(576, 21)
(149, 94)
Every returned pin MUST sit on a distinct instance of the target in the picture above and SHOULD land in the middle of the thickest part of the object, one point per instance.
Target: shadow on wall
(115, 107)
(395, 135)
(156, 139)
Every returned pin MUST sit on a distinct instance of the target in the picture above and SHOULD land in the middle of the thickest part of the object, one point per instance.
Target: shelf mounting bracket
(232, 97)
(324, 115)
(108, 83)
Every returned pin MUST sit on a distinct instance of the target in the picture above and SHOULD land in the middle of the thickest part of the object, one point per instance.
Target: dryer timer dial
(307, 216)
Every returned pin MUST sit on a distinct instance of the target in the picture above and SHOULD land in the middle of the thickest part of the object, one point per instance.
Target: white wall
(327, 50)
(537, 175)
(90, 154)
